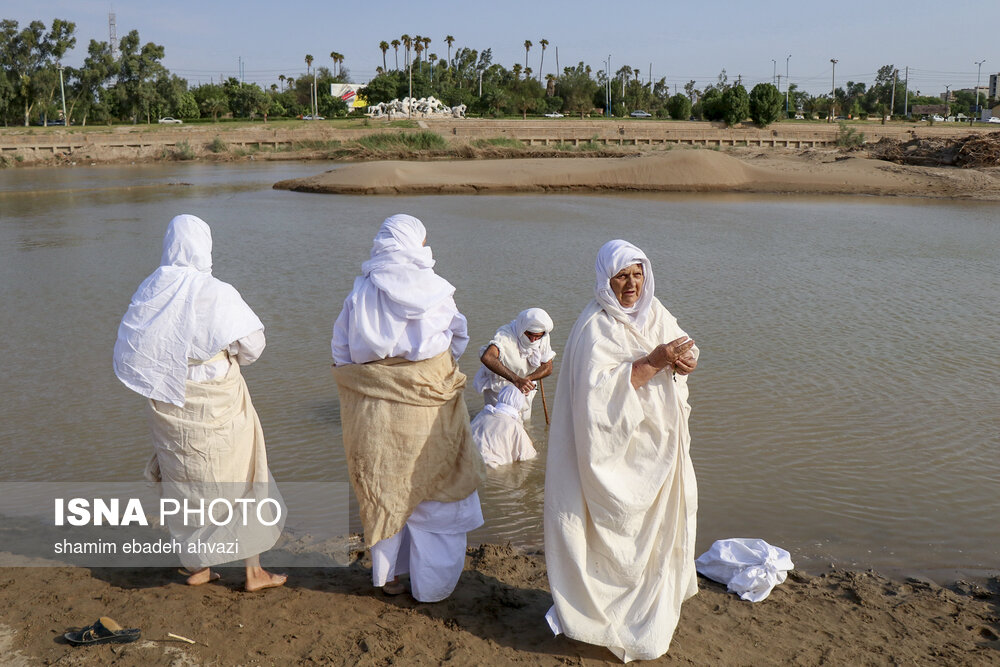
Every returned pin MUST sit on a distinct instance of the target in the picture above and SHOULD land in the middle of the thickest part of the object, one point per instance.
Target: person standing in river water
(519, 354)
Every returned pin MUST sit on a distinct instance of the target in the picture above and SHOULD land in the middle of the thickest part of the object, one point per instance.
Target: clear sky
(940, 41)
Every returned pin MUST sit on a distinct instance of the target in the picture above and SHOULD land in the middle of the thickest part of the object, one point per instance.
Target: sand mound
(681, 170)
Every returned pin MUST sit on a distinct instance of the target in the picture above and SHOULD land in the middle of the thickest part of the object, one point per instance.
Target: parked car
(639, 113)
(554, 114)
(167, 120)
(937, 118)
(312, 118)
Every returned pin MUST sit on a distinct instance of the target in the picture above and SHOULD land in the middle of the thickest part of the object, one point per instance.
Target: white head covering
(510, 401)
(612, 258)
(397, 287)
(179, 312)
(534, 320)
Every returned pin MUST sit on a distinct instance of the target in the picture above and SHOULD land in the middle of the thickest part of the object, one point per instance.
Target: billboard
(349, 93)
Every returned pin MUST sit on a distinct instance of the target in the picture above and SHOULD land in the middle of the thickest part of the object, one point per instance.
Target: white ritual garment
(620, 490)
(400, 308)
(179, 312)
(499, 433)
(518, 354)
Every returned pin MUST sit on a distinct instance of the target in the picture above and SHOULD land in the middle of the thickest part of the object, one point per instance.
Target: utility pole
(833, 91)
(906, 93)
(947, 101)
(787, 82)
(892, 98)
(774, 69)
(980, 65)
(62, 91)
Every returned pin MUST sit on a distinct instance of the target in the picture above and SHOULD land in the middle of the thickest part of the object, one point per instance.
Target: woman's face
(627, 285)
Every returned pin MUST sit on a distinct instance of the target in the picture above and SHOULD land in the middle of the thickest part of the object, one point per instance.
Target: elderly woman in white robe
(181, 344)
(499, 433)
(410, 453)
(518, 354)
(620, 492)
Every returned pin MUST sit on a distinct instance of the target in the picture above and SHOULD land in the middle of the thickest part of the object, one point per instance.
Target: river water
(845, 407)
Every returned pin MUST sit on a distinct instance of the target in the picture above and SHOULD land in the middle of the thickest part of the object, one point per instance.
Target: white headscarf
(397, 296)
(510, 402)
(612, 258)
(534, 320)
(179, 312)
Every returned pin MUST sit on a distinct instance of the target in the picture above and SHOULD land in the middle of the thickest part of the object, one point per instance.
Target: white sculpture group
(411, 106)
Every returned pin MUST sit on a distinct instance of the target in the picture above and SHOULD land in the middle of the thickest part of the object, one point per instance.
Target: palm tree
(427, 44)
(395, 45)
(432, 57)
(635, 70)
(309, 62)
(333, 57)
(449, 40)
(541, 65)
(384, 47)
(407, 42)
(527, 72)
(418, 46)
(281, 78)
(338, 59)
(527, 47)
(516, 69)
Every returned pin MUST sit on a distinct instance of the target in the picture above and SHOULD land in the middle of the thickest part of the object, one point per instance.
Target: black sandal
(104, 631)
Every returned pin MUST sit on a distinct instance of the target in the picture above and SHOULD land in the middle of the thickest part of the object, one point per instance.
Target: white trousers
(430, 548)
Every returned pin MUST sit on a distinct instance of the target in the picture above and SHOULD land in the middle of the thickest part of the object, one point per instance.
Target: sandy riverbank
(333, 616)
(811, 172)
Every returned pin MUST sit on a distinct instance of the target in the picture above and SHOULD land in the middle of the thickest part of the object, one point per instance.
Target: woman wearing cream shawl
(518, 354)
(410, 454)
(620, 493)
(180, 344)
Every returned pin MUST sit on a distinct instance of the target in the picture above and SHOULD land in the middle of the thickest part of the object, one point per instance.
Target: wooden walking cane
(545, 408)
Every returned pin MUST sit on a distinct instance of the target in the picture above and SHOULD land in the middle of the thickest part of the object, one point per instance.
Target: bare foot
(261, 579)
(199, 577)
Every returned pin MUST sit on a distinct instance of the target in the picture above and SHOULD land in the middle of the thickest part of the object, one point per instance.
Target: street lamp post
(62, 91)
(786, 83)
(947, 101)
(978, 75)
(833, 90)
(774, 70)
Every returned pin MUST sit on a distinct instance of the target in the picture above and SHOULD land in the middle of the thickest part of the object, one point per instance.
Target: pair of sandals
(104, 631)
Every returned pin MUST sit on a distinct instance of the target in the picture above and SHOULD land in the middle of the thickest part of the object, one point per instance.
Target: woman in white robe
(518, 354)
(499, 433)
(620, 491)
(410, 453)
(181, 344)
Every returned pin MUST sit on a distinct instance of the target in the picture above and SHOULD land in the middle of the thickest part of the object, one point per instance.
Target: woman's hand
(676, 354)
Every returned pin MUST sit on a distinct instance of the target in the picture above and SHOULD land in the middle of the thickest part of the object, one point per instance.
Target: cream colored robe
(620, 491)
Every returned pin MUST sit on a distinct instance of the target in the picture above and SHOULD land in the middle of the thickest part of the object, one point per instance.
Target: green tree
(577, 89)
(735, 105)
(679, 107)
(449, 40)
(29, 57)
(139, 66)
(87, 86)
(766, 103)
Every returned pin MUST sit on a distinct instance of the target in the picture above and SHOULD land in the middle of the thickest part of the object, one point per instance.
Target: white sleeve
(249, 348)
(340, 344)
(459, 335)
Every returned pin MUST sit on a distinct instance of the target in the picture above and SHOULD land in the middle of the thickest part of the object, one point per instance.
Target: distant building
(994, 80)
(928, 109)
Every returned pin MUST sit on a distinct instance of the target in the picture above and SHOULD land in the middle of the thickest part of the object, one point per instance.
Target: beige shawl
(213, 448)
(407, 438)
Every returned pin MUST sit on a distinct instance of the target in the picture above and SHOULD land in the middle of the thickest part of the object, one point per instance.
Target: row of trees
(134, 86)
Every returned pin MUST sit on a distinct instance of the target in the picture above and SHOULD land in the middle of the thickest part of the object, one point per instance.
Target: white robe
(501, 437)
(620, 490)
